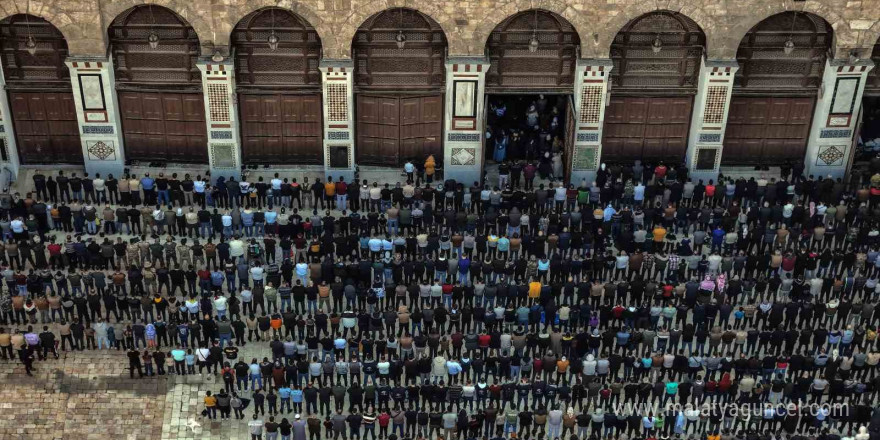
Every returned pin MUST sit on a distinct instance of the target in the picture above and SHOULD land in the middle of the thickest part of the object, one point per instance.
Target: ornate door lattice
(514, 66)
(662, 49)
(45, 68)
(279, 89)
(383, 63)
(40, 96)
(171, 63)
(293, 64)
(766, 67)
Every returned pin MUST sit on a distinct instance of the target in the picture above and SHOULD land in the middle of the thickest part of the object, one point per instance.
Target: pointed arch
(533, 49)
(658, 49)
(173, 59)
(294, 60)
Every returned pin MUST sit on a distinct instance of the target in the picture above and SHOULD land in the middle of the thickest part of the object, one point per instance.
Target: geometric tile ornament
(463, 156)
(585, 158)
(100, 150)
(223, 155)
(831, 155)
(716, 98)
(337, 102)
(591, 104)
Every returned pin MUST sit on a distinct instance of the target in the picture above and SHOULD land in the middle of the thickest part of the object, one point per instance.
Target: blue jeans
(164, 198)
(256, 379)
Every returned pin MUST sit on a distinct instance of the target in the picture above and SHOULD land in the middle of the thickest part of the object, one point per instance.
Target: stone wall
(467, 23)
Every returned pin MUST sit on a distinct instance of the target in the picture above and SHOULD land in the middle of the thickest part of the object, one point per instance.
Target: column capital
(330, 64)
(85, 59)
(211, 66)
(453, 60)
(605, 63)
(733, 65)
(859, 65)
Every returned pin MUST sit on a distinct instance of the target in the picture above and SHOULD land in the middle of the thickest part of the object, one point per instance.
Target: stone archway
(161, 104)
(33, 54)
(782, 60)
(657, 58)
(278, 82)
(399, 79)
(534, 50)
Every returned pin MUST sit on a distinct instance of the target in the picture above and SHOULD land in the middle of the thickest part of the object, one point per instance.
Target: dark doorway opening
(525, 127)
(868, 129)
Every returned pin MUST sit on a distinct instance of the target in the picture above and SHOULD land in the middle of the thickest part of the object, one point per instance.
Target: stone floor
(83, 395)
(89, 395)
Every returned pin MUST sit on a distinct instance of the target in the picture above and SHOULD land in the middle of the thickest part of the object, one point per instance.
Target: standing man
(255, 427)
(134, 363)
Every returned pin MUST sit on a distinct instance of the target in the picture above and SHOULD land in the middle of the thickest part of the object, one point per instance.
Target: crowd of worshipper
(522, 130)
(644, 304)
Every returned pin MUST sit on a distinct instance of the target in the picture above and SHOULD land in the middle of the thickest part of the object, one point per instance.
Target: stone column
(221, 116)
(709, 118)
(337, 77)
(8, 148)
(830, 147)
(590, 100)
(97, 111)
(464, 119)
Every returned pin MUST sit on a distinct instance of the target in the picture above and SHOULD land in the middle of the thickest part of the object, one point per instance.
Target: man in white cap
(299, 428)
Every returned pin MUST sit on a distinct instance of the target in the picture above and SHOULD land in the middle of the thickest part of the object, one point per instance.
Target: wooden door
(164, 126)
(46, 127)
(394, 129)
(278, 128)
(378, 130)
(421, 128)
(767, 129)
(649, 128)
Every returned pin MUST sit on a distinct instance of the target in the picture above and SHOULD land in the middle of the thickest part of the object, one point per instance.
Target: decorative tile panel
(585, 158)
(337, 102)
(337, 157)
(835, 134)
(716, 100)
(710, 137)
(101, 150)
(4, 154)
(221, 134)
(831, 155)
(591, 104)
(706, 159)
(463, 156)
(588, 137)
(338, 135)
(218, 102)
(463, 137)
(223, 155)
(97, 129)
